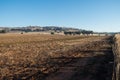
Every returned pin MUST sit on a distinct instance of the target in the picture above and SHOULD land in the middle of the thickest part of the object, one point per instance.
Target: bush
(52, 33)
(2, 31)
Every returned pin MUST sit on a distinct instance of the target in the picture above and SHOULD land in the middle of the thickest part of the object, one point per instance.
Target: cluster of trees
(78, 32)
(2, 31)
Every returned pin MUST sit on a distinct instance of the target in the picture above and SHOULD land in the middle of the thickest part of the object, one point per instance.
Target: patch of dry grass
(117, 44)
(116, 50)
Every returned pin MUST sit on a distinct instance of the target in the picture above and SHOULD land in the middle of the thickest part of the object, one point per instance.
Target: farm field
(55, 57)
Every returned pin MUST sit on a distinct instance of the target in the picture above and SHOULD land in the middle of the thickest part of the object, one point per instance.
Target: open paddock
(48, 57)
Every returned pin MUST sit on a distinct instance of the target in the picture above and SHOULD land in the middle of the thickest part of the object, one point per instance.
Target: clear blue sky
(97, 15)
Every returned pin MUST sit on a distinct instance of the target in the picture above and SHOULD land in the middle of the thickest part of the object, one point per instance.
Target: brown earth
(96, 64)
(55, 57)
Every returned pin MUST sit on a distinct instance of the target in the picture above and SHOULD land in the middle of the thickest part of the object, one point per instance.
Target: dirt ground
(96, 64)
(55, 57)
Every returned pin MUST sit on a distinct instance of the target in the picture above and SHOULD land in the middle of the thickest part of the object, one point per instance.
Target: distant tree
(2, 31)
(21, 32)
(65, 33)
(52, 33)
(86, 32)
(68, 33)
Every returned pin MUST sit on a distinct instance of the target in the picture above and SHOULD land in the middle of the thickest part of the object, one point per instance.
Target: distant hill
(57, 29)
(65, 30)
(39, 28)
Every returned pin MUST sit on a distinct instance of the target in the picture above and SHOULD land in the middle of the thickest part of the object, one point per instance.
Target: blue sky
(96, 15)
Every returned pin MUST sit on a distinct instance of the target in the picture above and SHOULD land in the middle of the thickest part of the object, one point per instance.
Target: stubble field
(55, 57)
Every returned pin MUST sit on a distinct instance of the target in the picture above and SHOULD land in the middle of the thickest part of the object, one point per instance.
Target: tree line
(77, 32)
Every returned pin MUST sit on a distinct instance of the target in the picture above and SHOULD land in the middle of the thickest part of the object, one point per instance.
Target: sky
(96, 15)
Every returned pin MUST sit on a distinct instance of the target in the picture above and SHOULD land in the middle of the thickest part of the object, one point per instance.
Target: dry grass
(21, 51)
(117, 36)
(117, 44)
(116, 49)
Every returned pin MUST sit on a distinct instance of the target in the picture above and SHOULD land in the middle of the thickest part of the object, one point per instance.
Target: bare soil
(55, 57)
(97, 64)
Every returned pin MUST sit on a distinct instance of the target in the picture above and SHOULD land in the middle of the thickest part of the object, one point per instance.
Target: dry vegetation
(33, 56)
(117, 41)
(116, 49)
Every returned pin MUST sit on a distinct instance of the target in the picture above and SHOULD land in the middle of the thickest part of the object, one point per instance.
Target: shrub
(52, 33)
(2, 31)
